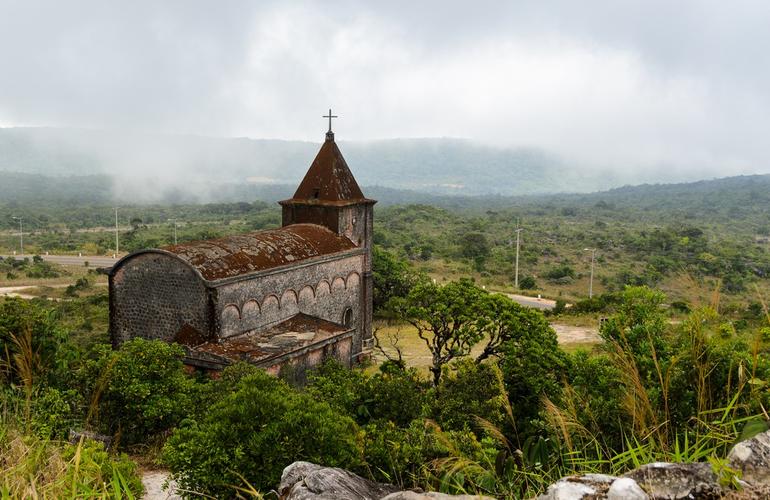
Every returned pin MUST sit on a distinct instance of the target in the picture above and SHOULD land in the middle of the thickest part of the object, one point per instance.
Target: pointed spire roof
(329, 181)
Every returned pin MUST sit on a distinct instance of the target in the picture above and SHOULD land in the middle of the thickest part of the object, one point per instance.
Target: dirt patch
(569, 334)
(154, 482)
(415, 353)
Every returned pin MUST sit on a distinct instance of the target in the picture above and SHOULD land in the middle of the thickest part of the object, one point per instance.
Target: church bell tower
(329, 196)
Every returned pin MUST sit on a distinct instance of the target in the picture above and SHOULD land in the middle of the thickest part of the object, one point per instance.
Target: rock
(588, 486)
(304, 480)
(752, 458)
(307, 481)
(674, 481)
(625, 488)
(432, 495)
(76, 436)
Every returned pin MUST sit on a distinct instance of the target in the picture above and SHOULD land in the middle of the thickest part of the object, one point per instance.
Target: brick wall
(154, 296)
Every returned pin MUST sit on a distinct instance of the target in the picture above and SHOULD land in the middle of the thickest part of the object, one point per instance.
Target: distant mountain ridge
(147, 166)
(737, 193)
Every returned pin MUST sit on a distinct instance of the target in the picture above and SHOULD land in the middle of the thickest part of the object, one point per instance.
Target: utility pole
(591, 281)
(174, 221)
(516, 274)
(21, 234)
(117, 244)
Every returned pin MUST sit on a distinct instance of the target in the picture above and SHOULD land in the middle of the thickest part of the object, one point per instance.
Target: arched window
(347, 317)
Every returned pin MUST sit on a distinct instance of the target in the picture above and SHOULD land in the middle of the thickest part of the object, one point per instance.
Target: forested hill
(728, 197)
(148, 167)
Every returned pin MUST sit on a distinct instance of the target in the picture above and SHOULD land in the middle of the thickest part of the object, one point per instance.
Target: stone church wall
(330, 290)
(296, 368)
(156, 296)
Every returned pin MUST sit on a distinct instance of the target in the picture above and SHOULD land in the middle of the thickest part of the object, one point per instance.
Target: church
(281, 299)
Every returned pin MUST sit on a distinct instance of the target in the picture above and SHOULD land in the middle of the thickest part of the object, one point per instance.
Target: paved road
(533, 302)
(74, 260)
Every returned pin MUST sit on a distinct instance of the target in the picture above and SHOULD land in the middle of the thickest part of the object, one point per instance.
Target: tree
(251, 434)
(527, 283)
(475, 246)
(503, 320)
(393, 277)
(639, 325)
(533, 366)
(446, 319)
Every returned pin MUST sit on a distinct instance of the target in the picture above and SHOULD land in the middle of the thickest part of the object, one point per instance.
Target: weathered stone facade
(308, 285)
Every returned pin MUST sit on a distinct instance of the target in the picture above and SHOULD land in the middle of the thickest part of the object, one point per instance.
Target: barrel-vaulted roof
(328, 180)
(251, 252)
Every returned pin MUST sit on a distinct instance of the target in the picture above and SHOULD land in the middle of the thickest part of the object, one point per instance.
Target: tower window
(316, 193)
(347, 317)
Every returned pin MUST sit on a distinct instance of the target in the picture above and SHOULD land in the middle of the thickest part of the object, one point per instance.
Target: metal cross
(330, 116)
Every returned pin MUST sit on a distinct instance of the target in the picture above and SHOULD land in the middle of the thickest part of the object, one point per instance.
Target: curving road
(533, 302)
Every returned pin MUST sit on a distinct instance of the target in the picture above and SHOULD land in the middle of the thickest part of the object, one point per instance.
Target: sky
(664, 84)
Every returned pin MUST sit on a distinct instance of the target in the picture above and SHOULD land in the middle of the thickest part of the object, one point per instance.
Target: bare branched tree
(393, 338)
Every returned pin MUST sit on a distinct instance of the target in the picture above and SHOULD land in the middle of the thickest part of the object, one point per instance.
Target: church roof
(329, 180)
(286, 337)
(251, 252)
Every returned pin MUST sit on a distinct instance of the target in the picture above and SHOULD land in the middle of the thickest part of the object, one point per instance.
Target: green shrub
(469, 390)
(54, 412)
(39, 468)
(533, 366)
(256, 431)
(144, 388)
(406, 456)
(527, 283)
(29, 331)
(392, 394)
(560, 272)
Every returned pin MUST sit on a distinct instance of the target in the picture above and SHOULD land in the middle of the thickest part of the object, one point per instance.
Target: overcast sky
(680, 83)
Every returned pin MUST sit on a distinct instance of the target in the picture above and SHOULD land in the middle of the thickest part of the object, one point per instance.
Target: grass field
(394, 336)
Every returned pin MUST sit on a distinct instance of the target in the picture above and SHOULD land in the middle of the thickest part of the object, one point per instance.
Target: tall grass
(38, 468)
(721, 417)
(33, 468)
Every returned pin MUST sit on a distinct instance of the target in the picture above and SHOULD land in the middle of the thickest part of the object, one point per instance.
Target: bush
(467, 391)
(527, 283)
(54, 412)
(51, 469)
(29, 331)
(256, 431)
(145, 389)
(393, 394)
(533, 366)
(392, 277)
(560, 273)
(406, 456)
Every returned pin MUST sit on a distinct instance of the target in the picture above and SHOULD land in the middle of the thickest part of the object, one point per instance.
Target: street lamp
(117, 244)
(21, 233)
(174, 221)
(591, 281)
(516, 273)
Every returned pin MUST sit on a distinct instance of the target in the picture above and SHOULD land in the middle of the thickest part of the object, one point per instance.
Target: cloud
(653, 84)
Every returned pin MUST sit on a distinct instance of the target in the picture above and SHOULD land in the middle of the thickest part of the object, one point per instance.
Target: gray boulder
(662, 480)
(431, 495)
(305, 480)
(752, 458)
(625, 488)
(584, 487)
(308, 481)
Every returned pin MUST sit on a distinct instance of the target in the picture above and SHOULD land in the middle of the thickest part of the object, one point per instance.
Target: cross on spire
(330, 134)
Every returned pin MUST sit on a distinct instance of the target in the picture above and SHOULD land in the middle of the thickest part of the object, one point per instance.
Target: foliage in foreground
(31, 467)
(506, 423)
(253, 433)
